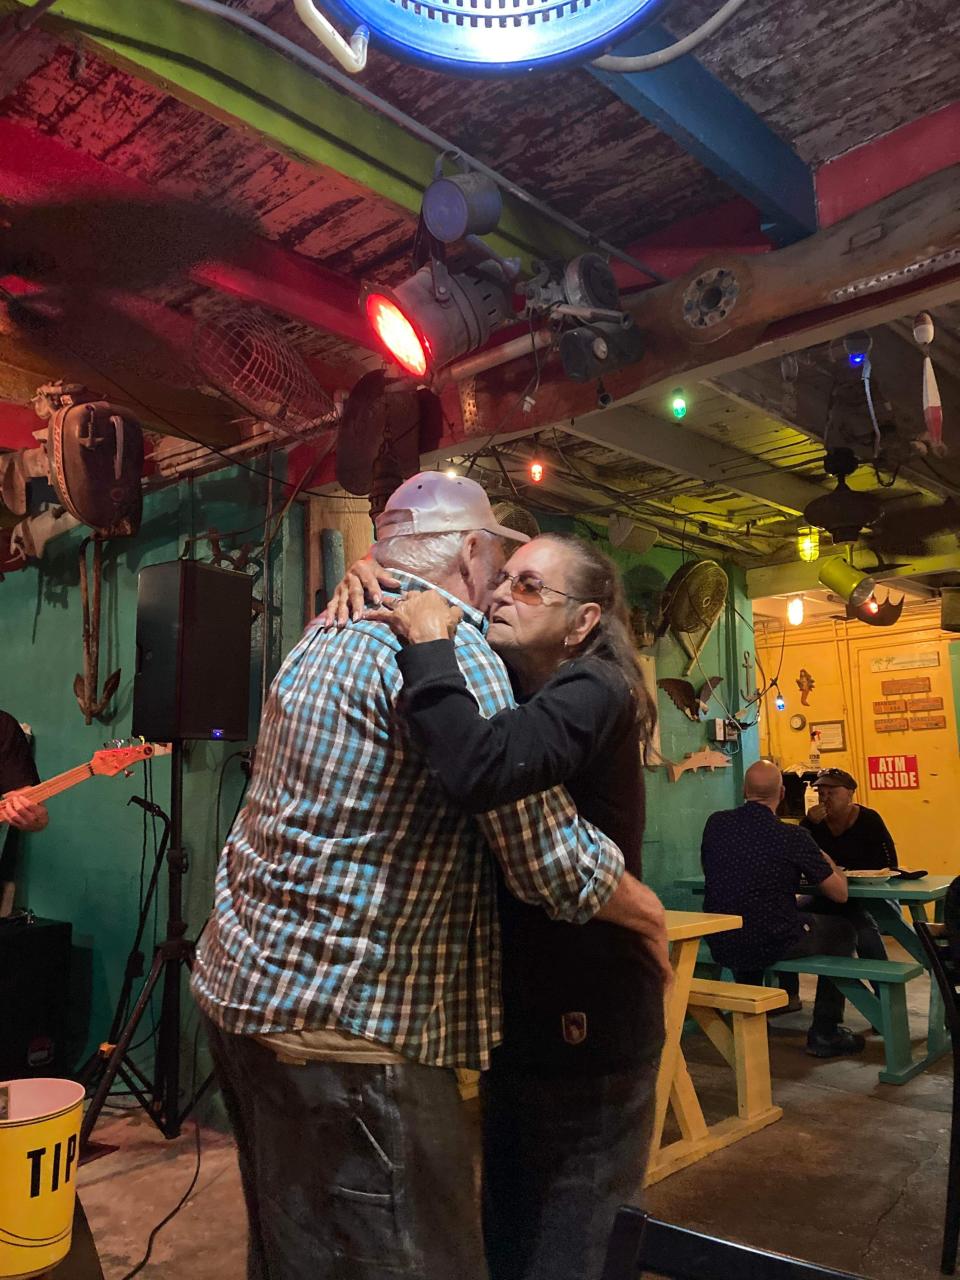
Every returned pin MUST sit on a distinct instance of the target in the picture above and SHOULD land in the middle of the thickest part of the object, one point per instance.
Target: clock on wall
(798, 722)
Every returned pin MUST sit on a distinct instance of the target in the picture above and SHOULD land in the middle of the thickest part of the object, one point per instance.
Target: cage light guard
(496, 37)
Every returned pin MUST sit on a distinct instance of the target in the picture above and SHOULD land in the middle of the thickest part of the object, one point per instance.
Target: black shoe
(793, 1005)
(832, 1044)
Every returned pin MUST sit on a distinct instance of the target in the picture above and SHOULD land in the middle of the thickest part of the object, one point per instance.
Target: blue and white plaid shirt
(351, 893)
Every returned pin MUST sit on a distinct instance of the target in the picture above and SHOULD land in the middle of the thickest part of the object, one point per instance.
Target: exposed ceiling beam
(159, 406)
(229, 75)
(789, 579)
(35, 167)
(708, 120)
(640, 435)
(865, 271)
(889, 163)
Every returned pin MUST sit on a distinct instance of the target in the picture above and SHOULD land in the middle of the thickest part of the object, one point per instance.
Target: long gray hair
(593, 576)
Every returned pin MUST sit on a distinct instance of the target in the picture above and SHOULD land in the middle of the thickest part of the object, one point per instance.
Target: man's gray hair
(428, 555)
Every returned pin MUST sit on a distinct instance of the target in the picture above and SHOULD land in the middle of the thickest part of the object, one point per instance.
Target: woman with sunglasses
(568, 1101)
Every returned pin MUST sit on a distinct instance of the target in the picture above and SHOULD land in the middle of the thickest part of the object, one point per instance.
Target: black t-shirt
(16, 770)
(753, 865)
(581, 730)
(867, 845)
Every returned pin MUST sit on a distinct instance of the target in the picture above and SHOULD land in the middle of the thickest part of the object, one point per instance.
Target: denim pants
(349, 1171)
(869, 942)
(823, 935)
(561, 1154)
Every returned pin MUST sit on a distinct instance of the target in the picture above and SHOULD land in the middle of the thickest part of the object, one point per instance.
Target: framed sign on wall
(832, 737)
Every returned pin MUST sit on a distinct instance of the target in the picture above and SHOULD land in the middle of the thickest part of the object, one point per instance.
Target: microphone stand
(160, 1097)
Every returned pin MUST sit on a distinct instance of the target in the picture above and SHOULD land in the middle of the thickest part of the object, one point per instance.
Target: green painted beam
(226, 73)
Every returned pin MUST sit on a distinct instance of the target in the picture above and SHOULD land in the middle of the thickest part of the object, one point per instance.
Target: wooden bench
(734, 1018)
(886, 1010)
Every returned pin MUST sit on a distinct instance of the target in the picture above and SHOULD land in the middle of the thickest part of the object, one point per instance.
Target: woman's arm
(483, 763)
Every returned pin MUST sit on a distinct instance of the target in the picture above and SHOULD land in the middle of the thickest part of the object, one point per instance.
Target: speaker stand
(159, 1097)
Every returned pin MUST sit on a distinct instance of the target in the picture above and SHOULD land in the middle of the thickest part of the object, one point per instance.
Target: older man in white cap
(351, 960)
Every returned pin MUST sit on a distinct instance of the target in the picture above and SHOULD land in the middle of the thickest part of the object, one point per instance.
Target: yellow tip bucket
(39, 1153)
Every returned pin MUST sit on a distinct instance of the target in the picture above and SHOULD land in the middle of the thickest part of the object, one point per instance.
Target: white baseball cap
(433, 502)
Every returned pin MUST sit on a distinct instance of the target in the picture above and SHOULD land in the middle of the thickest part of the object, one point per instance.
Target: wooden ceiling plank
(887, 164)
(221, 70)
(640, 435)
(709, 121)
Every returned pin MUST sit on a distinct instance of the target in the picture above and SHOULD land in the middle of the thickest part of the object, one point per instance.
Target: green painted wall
(86, 866)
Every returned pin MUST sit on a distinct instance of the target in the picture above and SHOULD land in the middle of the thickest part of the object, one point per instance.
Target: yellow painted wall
(925, 823)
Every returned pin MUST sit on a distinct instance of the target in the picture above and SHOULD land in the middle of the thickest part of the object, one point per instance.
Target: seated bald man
(754, 866)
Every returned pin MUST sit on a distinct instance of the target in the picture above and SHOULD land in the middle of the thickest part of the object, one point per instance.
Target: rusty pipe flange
(710, 300)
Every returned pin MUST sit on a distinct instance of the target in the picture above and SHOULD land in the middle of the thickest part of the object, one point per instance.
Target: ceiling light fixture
(795, 611)
(852, 585)
(433, 317)
(808, 543)
(489, 37)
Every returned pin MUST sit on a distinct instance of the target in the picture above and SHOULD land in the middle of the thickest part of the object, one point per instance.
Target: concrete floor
(852, 1177)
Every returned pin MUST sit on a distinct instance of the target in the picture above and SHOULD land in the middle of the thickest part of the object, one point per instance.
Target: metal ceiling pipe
(470, 366)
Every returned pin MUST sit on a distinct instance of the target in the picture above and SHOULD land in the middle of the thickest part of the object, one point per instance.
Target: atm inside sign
(893, 773)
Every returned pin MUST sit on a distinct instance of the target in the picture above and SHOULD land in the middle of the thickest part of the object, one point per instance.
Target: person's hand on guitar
(23, 813)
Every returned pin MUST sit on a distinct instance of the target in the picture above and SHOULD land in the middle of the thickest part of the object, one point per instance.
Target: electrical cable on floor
(193, 1181)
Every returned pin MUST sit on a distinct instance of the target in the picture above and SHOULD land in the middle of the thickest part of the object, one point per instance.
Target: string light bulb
(678, 403)
(536, 472)
(795, 611)
(808, 543)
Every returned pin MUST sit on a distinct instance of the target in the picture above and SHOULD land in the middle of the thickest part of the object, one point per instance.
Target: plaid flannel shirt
(351, 893)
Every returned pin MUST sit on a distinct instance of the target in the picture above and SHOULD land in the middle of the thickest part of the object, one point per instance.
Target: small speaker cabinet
(193, 653)
(34, 991)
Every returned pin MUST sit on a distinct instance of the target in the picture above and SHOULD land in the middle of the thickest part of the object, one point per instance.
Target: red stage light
(871, 605)
(397, 334)
(536, 472)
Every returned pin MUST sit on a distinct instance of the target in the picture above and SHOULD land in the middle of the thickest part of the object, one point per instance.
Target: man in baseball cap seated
(857, 839)
(351, 960)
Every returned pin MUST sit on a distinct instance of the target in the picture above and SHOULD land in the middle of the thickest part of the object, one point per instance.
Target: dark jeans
(869, 942)
(561, 1154)
(350, 1172)
(824, 935)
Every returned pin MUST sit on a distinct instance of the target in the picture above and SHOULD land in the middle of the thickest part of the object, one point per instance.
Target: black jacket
(580, 729)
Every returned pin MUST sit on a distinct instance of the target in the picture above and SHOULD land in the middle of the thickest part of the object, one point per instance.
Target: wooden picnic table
(675, 1089)
(887, 901)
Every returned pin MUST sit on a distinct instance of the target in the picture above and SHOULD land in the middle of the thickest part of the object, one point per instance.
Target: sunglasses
(528, 588)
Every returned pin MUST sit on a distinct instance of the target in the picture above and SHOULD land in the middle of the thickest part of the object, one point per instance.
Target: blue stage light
(857, 358)
(497, 37)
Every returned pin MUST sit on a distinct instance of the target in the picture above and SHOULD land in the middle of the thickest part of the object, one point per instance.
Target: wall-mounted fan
(692, 602)
(246, 355)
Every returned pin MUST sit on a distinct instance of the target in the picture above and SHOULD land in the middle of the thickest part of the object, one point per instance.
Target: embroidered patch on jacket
(574, 1027)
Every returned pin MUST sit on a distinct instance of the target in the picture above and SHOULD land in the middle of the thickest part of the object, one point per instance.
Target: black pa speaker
(34, 991)
(193, 653)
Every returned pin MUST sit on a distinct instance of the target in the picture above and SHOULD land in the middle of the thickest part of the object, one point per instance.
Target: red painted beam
(34, 166)
(732, 227)
(887, 164)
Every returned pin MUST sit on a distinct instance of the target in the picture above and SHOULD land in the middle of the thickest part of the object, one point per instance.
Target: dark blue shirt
(753, 865)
